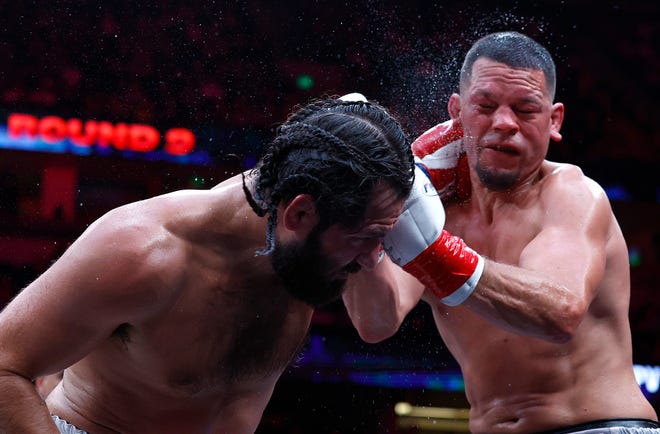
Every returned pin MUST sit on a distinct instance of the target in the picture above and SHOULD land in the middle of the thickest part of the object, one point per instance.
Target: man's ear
(300, 215)
(454, 106)
(556, 120)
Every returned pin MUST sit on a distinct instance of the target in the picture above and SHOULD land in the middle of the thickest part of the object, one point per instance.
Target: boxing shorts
(611, 426)
(65, 427)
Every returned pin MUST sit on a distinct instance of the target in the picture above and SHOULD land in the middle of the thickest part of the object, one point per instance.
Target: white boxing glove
(420, 223)
(419, 244)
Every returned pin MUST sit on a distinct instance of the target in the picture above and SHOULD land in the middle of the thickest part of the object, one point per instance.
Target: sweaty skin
(167, 320)
(544, 341)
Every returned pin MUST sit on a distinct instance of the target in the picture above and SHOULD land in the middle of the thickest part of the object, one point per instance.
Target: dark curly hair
(336, 151)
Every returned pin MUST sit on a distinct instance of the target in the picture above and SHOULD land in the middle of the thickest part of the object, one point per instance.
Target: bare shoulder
(570, 180)
(581, 198)
(132, 261)
(156, 235)
(133, 255)
(137, 234)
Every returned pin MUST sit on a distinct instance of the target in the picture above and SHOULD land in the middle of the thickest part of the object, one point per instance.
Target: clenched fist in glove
(419, 244)
(440, 150)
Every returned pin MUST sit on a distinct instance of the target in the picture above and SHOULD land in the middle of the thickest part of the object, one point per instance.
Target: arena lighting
(617, 192)
(404, 373)
(56, 134)
(648, 377)
(410, 379)
(634, 256)
(433, 419)
(305, 82)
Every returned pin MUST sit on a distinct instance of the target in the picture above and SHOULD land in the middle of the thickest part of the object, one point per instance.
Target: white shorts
(65, 427)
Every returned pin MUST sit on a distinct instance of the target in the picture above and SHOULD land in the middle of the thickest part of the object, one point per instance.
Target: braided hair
(336, 151)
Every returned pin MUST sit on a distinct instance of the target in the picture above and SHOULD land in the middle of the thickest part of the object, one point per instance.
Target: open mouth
(505, 149)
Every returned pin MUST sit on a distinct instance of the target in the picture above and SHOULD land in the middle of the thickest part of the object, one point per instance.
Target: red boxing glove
(448, 268)
(440, 149)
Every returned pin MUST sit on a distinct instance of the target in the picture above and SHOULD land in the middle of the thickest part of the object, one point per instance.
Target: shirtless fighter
(535, 310)
(178, 314)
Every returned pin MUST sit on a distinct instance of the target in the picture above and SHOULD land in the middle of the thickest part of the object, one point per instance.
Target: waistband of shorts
(605, 423)
(65, 427)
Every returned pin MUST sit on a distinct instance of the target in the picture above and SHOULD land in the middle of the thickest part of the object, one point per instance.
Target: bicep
(571, 246)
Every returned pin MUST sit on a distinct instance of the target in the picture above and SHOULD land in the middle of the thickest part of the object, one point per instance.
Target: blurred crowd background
(230, 71)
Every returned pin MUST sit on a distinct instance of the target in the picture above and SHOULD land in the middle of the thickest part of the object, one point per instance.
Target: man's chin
(498, 180)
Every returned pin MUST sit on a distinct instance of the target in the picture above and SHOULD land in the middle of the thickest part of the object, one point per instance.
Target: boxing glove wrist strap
(448, 268)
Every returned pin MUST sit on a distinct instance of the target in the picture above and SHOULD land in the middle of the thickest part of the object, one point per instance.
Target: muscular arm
(378, 301)
(548, 292)
(101, 281)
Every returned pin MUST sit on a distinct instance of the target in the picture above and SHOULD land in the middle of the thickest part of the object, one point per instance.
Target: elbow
(566, 322)
(374, 338)
(376, 333)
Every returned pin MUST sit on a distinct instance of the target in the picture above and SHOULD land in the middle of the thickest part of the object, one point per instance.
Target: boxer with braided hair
(527, 273)
(169, 315)
(337, 151)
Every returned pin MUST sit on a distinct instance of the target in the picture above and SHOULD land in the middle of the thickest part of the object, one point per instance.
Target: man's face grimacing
(508, 119)
(315, 271)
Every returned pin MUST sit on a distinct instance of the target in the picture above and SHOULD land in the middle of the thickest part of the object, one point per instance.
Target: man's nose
(504, 120)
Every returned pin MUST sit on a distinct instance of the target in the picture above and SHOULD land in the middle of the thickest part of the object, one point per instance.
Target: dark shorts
(611, 426)
(66, 428)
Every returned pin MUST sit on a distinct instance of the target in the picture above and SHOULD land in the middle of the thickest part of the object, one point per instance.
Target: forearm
(526, 302)
(378, 301)
(21, 408)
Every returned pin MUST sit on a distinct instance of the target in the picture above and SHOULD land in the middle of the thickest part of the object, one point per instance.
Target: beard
(496, 180)
(305, 272)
